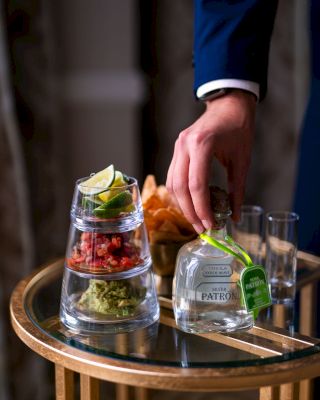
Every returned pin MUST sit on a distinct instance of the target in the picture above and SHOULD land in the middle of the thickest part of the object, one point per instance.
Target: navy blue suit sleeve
(232, 40)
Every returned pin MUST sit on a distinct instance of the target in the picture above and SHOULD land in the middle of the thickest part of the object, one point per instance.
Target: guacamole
(118, 298)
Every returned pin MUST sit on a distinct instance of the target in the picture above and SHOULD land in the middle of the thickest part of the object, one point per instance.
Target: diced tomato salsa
(98, 252)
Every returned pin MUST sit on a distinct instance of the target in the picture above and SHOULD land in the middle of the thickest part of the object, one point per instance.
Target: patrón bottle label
(214, 283)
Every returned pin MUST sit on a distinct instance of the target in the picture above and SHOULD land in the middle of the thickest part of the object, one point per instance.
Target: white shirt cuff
(250, 86)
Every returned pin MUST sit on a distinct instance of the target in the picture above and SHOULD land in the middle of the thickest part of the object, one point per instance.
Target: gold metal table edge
(150, 375)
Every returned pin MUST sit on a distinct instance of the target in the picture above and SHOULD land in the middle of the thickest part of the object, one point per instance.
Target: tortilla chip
(164, 220)
(167, 198)
(153, 203)
(168, 226)
(149, 188)
(151, 223)
(160, 237)
(181, 220)
(170, 214)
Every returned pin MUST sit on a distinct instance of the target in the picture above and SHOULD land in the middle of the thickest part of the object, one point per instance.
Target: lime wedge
(121, 199)
(98, 182)
(112, 212)
(114, 206)
(119, 181)
(91, 202)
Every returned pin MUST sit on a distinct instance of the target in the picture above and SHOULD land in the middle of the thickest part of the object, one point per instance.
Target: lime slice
(121, 199)
(112, 212)
(114, 206)
(130, 208)
(91, 202)
(98, 182)
(119, 181)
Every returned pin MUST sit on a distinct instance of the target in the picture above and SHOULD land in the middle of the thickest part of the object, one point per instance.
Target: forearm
(232, 41)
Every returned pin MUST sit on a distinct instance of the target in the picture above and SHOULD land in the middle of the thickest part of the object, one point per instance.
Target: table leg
(306, 390)
(289, 391)
(307, 309)
(269, 393)
(141, 393)
(89, 388)
(308, 305)
(64, 383)
(141, 346)
(122, 392)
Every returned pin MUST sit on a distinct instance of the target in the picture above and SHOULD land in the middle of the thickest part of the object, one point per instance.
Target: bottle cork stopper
(219, 200)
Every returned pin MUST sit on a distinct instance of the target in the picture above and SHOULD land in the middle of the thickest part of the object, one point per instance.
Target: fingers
(178, 182)
(199, 168)
(188, 180)
(169, 181)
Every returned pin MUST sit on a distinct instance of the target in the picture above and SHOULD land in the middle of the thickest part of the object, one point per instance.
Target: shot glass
(281, 255)
(248, 231)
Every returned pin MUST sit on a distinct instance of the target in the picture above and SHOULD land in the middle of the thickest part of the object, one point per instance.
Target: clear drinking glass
(108, 283)
(119, 211)
(281, 254)
(248, 231)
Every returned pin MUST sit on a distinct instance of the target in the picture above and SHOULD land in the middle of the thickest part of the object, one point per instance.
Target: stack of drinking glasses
(108, 284)
(280, 250)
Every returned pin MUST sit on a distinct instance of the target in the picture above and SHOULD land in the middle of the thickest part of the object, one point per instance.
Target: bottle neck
(217, 233)
(220, 224)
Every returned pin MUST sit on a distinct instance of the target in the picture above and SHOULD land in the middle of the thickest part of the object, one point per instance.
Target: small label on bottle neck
(216, 270)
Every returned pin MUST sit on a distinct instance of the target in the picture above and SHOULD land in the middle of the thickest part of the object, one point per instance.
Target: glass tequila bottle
(206, 289)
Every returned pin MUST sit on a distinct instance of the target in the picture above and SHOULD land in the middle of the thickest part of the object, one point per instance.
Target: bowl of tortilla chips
(167, 227)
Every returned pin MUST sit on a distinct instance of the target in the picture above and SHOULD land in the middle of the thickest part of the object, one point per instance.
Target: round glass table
(160, 356)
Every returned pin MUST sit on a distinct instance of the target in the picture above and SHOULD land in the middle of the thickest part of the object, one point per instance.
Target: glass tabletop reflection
(163, 344)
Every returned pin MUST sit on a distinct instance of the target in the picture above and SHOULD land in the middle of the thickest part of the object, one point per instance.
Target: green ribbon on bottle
(243, 257)
(236, 251)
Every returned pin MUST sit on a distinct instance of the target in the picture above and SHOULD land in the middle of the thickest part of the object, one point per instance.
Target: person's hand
(225, 131)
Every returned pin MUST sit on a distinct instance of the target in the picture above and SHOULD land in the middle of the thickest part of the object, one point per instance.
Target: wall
(100, 85)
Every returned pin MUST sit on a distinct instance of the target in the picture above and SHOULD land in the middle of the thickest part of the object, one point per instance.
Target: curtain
(31, 226)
